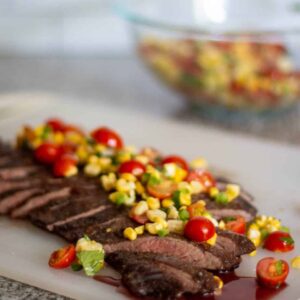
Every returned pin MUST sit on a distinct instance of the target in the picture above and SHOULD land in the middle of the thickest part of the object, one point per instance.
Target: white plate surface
(270, 172)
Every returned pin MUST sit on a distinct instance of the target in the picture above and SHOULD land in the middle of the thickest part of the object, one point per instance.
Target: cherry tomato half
(132, 166)
(199, 229)
(176, 160)
(65, 166)
(141, 219)
(237, 225)
(108, 137)
(272, 272)
(279, 241)
(204, 177)
(63, 257)
(47, 153)
(162, 190)
(56, 124)
(196, 209)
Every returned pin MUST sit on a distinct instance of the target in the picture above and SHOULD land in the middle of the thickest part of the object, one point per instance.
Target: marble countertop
(123, 82)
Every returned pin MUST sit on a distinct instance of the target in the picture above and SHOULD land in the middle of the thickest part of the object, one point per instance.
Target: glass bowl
(229, 54)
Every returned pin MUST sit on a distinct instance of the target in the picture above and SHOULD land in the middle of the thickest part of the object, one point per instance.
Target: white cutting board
(271, 172)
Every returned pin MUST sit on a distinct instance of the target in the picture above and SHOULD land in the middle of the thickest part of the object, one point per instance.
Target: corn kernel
(199, 163)
(104, 162)
(169, 170)
(296, 262)
(139, 188)
(130, 149)
(153, 213)
(128, 177)
(92, 170)
(93, 159)
(153, 228)
(39, 130)
(123, 156)
(219, 282)
(222, 224)
(253, 253)
(196, 187)
(153, 203)
(58, 138)
(185, 199)
(74, 137)
(82, 153)
(213, 192)
(140, 229)
(212, 241)
(140, 208)
(176, 226)
(130, 234)
(72, 171)
(166, 203)
(142, 159)
(124, 186)
(161, 221)
(108, 181)
(36, 142)
(100, 148)
(232, 191)
(254, 234)
(173, 212)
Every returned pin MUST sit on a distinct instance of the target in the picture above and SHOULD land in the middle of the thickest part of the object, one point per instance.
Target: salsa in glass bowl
(238, 55)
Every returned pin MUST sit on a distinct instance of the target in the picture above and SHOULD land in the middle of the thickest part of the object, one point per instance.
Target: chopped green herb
(154, 180)
(90, 141)
(46, 132)
(86, 237)
(91, 261)
(279, 267)
(121, 199)
(163, 232)
(145, 177)
(76, 267)
(190, 80)
(221, 198)
(288, 240)
(264, 233)
(176, 198)
(184, 215)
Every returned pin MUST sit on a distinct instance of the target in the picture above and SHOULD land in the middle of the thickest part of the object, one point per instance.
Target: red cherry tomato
(56, 124)
(199, 229)
(132, 166)
(162, 190)
(272, 272)
(108, 137)
(47, 153)
(279, 241)
(63, 257)
(66, 149)
(238, 225)
(176, 160)
(204, 177)
(65, 166)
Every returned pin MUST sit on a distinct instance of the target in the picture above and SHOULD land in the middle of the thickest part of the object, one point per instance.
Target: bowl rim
(123, 9)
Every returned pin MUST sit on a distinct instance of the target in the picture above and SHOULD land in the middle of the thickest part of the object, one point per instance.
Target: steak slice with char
(39, 201)
(12, 201)
(160, 276)
(18, 172)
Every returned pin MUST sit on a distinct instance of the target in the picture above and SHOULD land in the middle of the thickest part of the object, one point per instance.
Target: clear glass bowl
(232, 54)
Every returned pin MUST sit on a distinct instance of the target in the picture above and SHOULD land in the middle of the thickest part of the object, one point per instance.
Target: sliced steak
(39, 201)
(12, 201)
(75, 230)
(240, 243)
(160, 276)
(18, 172)
(187, 251)
(80, 201)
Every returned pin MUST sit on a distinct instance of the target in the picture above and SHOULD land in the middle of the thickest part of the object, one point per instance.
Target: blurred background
(84, 50)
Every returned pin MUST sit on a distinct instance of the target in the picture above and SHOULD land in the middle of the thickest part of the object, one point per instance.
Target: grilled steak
(152, 266)
(160, 276)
